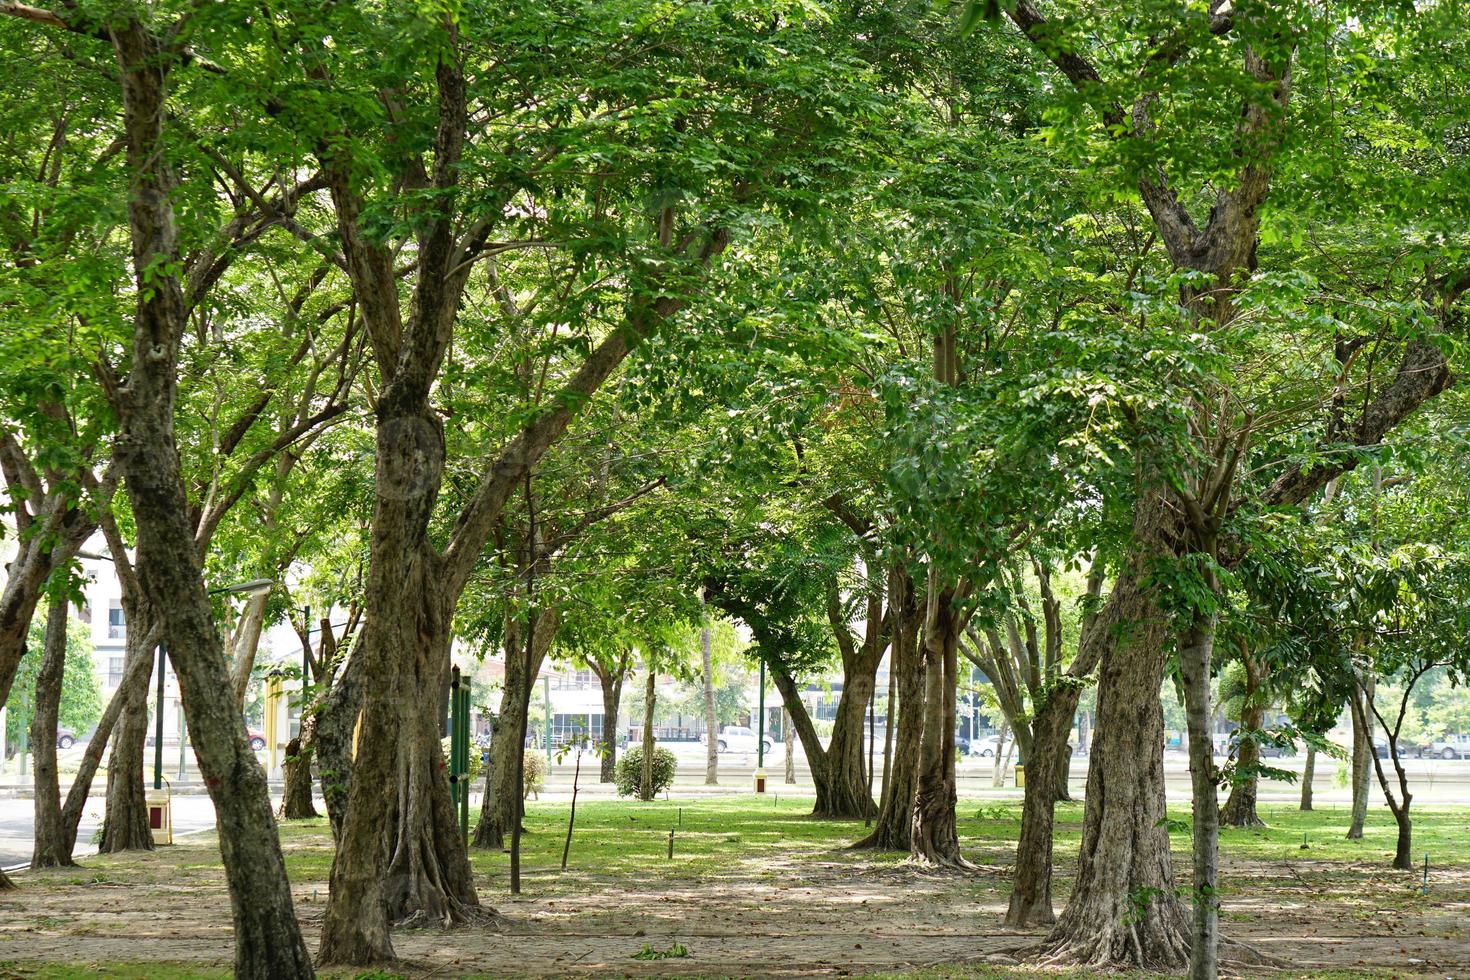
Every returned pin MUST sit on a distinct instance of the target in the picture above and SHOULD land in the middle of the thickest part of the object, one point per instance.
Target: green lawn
(765, 861)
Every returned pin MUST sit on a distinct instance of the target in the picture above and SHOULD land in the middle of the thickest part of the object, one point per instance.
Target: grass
(620, 878)
(626, 837)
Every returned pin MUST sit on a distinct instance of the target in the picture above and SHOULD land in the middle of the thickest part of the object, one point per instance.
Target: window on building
(114, 671)
(569, 727)
(117, 625)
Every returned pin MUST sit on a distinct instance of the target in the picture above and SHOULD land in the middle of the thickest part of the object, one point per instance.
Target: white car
(985, 747)
(737, 738)
(1450, 747)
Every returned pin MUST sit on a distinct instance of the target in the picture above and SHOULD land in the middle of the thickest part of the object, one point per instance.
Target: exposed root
(457, 914)
(945, 862)
(1116, 947)
(1234, 952)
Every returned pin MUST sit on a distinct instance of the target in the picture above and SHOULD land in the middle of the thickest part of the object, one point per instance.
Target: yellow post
(273, 696)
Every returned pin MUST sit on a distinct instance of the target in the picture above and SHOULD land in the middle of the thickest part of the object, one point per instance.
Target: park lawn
(758, 887)
(619, 837)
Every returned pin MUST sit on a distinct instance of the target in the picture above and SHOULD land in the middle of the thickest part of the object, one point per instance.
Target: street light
(252, 587)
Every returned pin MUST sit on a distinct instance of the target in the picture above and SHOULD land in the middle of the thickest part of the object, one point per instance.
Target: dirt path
(761, 917)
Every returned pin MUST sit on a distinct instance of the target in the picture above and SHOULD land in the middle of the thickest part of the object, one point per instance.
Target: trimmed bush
(630, 770)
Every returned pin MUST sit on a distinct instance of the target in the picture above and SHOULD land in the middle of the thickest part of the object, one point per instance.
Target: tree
(65, 692)
(1039, 699)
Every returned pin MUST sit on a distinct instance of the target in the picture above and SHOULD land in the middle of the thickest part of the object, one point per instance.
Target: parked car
(985, 747)
(65, 738)
(738, 738)
(1450, 747)
(257, 740)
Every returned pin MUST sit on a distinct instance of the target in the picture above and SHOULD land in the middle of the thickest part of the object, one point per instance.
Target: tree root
(459, 914)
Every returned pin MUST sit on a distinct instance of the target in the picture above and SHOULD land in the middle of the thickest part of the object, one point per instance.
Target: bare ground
(799, 915)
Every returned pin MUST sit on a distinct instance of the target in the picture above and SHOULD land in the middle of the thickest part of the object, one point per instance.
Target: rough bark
(268, 941)
(1030, 903)
(49, 850)
(1123, 909)
(838, 776)
(1240, 806)
(296, 803)
(501, 806)
(400, 858)
(892, 828)
(125, 818)
(934, 838)
(52, 528)
(336, 726)
(839, 770)
(612, 701)
(135, 676)
(1309, 773)
(711, 744)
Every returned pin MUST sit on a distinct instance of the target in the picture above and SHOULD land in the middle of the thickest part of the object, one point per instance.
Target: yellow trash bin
(1020, 777)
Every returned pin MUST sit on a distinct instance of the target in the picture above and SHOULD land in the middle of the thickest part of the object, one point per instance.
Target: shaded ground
(756, 889)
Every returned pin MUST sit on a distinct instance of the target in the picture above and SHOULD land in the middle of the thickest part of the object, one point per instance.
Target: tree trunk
(788, 742)
(247, 642)
(37, 554)
(1031, 886)
(125, 819)
(170, 570)
(998, 764)
(1363, 760)
(934, 839)
(1196, 647)
(845, 791)
(1240, 806)
(612, 697)
(837, 770)
(336, 726)
(1403, 858)
(711, 744)
(135, 676)
(400, 858)
(50, 848)
(1064, 771)
(1123, 910)
(650, 696)
(888, 719)
(502, 803)
(893, 827)
(1309, 773)
(297, 803)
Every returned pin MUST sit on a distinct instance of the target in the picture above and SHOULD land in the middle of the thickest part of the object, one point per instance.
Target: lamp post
(252, 587)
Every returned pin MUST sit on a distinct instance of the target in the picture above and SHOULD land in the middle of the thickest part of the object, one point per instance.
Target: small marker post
(671, 843)
(1304, 841)
(1424, 889)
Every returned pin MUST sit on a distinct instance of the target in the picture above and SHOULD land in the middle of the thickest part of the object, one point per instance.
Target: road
(17, 822)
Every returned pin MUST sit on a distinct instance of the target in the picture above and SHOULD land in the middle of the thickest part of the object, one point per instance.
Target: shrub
(476, 767)
(533, 777)
(630, 770)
